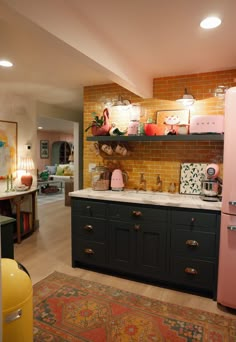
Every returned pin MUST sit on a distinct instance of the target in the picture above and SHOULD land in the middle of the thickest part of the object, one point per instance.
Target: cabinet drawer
(193, 273)
(195, 219)
(89, 252)
(130, 213)
(89, 208)
(89, 228)
(193, 244)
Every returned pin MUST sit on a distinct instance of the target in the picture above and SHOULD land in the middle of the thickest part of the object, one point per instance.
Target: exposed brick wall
(162, 158)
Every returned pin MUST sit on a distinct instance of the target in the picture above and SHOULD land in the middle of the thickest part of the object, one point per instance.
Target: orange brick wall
(162, 158)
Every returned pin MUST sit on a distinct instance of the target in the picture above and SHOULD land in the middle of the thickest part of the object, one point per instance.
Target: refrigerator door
(229, 178)
(226, 292)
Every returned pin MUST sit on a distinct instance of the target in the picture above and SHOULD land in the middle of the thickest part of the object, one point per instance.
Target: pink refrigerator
(226, 293)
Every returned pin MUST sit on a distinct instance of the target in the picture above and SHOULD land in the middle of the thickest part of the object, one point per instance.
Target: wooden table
(17, 197)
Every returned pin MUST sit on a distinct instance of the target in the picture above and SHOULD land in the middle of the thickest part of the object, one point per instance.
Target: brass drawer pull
(137, 227)
(137, 213)
(190, 270)
(88, 227)
(192, 243)
(88, 251)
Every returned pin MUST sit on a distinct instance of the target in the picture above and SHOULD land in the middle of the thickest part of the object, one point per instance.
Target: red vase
(27, 180)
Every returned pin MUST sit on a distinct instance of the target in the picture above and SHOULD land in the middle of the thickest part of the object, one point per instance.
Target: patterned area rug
(67, 308)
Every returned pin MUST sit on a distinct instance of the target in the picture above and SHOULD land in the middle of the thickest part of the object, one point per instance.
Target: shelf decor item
(100, 125)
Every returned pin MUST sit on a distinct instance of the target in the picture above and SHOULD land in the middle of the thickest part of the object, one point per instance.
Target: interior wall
(51, 137)
(23, 111)
(162, 158)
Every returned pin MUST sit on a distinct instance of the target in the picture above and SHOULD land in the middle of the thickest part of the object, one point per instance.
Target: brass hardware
(88, 251)
(192, 219)
(137, 213)
(192, 243)
(137, 226)
(190, 270)
(88, 227)
(88, 207)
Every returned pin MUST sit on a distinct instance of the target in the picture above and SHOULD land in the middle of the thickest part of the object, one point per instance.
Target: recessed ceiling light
(6, 64)
(210, 22)
(40, 127)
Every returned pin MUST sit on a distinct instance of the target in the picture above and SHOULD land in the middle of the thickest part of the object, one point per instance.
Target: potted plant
(100, 125)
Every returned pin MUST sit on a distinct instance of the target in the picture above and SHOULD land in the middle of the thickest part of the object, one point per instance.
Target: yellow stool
(17, 302)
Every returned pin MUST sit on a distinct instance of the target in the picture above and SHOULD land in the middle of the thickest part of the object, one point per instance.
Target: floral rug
(67, 308)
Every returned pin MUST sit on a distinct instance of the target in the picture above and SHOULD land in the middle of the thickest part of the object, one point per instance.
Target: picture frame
(44, 149)
(162, 115)
(8, 149)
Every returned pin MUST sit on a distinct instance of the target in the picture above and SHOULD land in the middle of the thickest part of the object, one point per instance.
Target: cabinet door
(122, 246)
(151, 249)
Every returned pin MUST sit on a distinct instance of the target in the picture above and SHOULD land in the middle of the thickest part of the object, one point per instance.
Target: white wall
(23, 111)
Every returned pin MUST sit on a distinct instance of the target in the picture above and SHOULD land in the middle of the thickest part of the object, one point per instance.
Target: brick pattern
(162, 158)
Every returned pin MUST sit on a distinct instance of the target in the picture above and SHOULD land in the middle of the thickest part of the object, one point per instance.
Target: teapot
(118, 179)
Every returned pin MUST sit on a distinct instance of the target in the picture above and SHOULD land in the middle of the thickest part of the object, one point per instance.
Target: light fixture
(187, 99)
(119, 101)
(27, 164)
(210, 23)
(6, 64)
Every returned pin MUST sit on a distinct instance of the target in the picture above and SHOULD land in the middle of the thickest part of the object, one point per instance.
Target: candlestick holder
(11, 183)
(7, 190)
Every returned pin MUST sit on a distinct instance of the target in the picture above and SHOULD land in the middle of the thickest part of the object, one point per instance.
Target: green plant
(97, 121)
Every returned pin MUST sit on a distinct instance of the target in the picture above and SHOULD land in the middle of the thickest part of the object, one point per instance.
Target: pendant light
(187, 99)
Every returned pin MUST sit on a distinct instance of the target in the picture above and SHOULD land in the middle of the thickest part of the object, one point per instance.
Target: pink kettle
(117, 180)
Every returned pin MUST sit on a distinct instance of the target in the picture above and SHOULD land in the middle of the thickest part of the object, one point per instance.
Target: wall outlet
(92, 166)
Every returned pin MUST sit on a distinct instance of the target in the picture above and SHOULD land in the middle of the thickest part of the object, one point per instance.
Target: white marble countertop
(148, 197)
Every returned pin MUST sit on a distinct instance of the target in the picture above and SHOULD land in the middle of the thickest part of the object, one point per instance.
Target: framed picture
(44, 149)
(173, 119)
(8, 148)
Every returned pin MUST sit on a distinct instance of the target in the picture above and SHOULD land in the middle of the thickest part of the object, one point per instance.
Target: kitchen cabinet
(7, 227)
(138, 239)
(162, 244)
(194, 249)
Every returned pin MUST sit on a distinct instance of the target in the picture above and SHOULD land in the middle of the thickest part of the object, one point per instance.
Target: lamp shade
(187, 99)
(27, 164)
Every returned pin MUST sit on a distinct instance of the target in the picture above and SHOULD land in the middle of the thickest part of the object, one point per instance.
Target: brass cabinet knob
(190, 270)
(88, 251)
(193, 219)
(137, 226)
(88, 227)
(137, 213)
(192, 243)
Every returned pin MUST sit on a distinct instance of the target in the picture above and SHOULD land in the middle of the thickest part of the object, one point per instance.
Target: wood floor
(49, 250)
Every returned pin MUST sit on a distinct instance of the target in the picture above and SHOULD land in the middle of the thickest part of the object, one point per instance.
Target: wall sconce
(119, 101)
(27, 164)
(187, 99)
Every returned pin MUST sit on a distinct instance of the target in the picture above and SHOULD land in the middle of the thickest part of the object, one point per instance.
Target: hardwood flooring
(49, 250)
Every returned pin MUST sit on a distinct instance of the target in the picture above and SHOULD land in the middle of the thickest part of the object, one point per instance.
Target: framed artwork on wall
(8, 148)
(44, 149)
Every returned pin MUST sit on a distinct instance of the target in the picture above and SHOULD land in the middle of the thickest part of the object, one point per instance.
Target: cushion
(68, 171)
(51, 169)
(60, 171)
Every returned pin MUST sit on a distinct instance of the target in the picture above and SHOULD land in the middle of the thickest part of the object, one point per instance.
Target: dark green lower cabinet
(175, 246)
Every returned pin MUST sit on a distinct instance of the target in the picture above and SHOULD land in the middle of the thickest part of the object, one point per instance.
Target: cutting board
(191, 175)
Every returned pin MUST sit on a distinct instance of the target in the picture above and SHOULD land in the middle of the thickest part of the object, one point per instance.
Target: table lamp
(27, 164)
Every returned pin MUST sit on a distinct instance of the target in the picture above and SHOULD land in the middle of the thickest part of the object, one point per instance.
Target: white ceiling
(59, 46)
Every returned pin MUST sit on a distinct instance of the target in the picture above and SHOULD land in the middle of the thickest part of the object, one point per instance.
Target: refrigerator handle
(232, 203)
(231, 227)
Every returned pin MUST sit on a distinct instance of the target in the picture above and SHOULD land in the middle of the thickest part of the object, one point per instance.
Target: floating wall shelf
(144, 138)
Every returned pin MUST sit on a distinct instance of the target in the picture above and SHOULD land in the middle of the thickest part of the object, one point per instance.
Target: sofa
(60, 172)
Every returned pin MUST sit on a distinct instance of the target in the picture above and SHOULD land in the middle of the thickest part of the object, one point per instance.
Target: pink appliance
(226, 293)
(206, 124)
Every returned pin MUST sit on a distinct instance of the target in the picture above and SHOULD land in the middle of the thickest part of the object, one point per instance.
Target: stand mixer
(212, 184)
